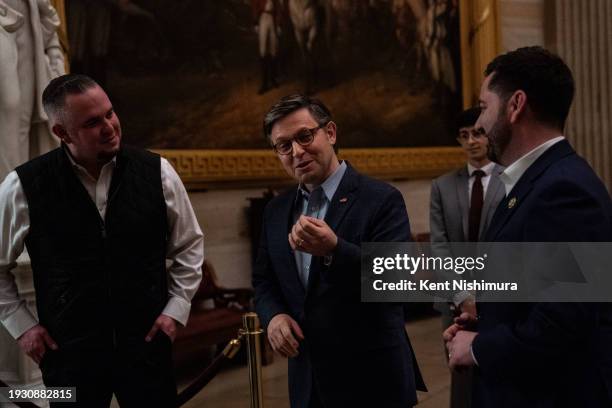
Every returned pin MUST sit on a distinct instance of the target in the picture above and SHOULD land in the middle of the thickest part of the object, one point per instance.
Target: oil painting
(200, 74)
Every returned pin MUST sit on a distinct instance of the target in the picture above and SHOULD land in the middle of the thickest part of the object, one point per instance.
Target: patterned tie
(312, 210)
(475, 206)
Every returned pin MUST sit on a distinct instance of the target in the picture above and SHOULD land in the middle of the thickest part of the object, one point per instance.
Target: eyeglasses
(304, 138)
(477, 134)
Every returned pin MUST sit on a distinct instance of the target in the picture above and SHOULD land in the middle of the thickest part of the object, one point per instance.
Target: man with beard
(99, 220)
(538, 354)
(342, 353)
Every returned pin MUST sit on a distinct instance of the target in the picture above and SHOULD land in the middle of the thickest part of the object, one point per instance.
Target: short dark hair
(54, 95)
(543, 76)
(292, 103)
(467, 118)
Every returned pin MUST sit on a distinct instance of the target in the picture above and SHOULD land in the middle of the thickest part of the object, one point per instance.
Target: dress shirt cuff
(178, 309)
(20, 321)
(473, 356)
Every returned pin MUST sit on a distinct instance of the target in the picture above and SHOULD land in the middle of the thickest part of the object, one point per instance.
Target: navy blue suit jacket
(548, 354)
(354, 353)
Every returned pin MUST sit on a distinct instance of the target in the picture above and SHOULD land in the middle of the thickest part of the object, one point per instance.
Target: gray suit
(448, 222)
(450, 205)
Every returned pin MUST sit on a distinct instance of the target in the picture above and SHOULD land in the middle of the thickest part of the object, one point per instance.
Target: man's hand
(459, 349)
(166, 324)
(34, 342)
(465, 321)
(282, 332)
(313, 236)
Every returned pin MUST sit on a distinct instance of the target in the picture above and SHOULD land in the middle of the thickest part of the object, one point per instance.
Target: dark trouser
(315, 399)
(138, 376)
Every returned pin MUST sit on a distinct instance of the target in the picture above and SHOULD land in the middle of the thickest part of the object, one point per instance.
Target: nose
(297, 149)
(478, 123)
(107, 126)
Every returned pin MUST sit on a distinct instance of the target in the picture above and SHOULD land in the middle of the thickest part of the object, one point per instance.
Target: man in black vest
(99, 221)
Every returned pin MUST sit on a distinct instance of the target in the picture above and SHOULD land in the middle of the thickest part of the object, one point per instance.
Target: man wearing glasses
(307, 275)
(461, 207)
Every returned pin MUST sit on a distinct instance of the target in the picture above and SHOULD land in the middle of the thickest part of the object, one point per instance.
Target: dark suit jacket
(354, 353)
(548, 354)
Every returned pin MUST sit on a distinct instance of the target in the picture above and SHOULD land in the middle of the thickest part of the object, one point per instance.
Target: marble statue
(30, 56)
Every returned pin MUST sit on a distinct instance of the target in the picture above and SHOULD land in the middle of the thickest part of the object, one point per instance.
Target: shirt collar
(77, 167)
(329, 186)
(512, 174)
(487, 169)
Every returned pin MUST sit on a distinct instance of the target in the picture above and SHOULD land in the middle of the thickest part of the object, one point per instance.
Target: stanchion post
(253, 332)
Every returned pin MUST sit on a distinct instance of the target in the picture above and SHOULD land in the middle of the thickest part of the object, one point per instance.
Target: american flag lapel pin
(343, 200)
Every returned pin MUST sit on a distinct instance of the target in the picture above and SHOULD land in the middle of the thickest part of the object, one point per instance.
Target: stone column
(583, 34)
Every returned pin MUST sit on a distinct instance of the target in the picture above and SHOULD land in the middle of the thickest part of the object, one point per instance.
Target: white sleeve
(185, 246)
(14, 227)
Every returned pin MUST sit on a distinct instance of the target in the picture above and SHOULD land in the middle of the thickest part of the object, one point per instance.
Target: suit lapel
(341, 202)
(343, 199)
(495, 190)
(524, 186)
(507, 207)
(462, 196)
(282, 229)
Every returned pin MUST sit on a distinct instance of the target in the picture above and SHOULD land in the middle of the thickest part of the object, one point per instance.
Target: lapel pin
(512, 202)
(343, 200)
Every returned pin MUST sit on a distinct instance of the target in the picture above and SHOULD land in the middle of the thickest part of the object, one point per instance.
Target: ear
(330, 130)
(517, 105)
(60, 131)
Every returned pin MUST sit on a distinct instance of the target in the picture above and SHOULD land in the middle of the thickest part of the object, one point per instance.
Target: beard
(499, 137)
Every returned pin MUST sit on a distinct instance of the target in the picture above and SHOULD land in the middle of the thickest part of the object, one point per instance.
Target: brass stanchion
(253, 332)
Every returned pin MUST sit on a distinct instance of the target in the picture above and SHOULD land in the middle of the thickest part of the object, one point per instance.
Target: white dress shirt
(512, 174)
(185, 251)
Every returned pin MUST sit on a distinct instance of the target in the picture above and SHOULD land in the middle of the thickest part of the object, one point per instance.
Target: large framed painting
(192, 79)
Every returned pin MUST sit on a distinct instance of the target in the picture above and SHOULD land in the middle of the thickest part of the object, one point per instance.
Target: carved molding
(203, 169)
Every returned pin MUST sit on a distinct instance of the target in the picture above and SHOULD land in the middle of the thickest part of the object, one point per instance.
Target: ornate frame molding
(205, 169)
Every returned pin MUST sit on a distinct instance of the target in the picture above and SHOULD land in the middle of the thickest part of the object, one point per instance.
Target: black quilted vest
(100, 284)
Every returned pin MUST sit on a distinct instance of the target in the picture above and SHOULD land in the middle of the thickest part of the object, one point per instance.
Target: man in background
(462, 205)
